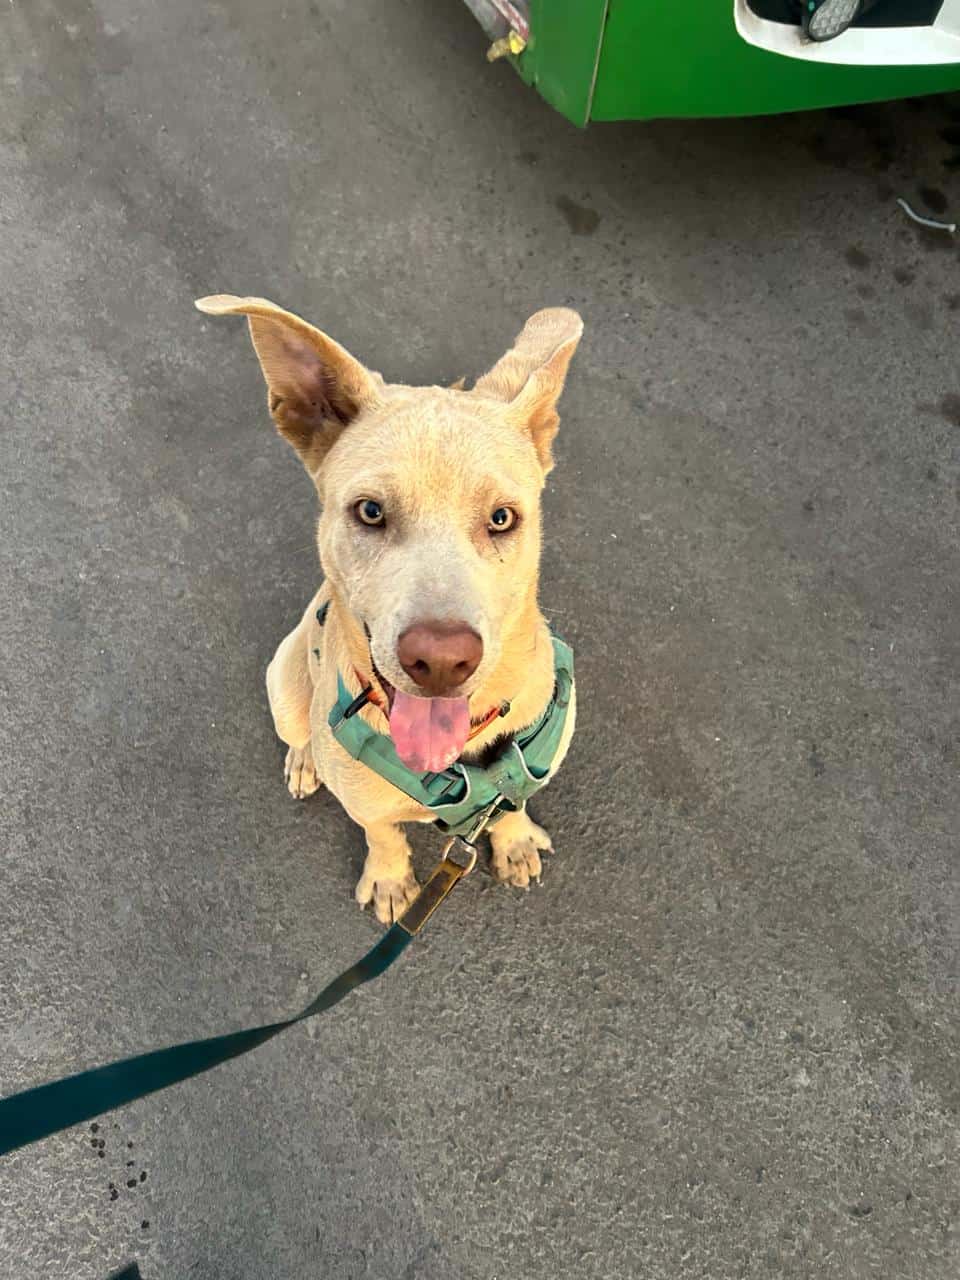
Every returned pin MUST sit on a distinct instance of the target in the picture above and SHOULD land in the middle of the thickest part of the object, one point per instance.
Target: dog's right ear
(314, 387)
(530, 376)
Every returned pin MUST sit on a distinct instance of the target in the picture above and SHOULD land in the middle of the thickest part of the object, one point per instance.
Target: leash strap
(37, 1113)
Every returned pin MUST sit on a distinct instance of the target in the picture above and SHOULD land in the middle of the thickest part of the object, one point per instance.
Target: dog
(429, 541)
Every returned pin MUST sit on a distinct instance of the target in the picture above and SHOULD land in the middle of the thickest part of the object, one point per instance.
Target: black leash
(37, 1113)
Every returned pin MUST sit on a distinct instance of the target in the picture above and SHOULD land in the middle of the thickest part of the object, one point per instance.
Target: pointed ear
(531, 375)
(314, 387)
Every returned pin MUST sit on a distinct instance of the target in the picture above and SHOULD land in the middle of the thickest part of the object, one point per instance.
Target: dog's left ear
(315, 388)
(531, 375)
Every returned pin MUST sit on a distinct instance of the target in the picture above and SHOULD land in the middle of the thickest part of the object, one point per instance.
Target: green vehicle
(644, 59)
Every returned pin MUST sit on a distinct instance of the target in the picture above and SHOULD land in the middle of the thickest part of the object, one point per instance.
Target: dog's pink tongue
(429, 733)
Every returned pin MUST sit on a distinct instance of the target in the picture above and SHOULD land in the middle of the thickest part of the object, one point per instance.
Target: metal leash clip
(444, 876)
(459, 859)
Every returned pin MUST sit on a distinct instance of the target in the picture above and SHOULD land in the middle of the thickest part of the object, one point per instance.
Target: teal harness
(465, 795)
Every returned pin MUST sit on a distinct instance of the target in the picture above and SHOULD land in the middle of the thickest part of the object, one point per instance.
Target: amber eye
(502, 519)
(369, 512)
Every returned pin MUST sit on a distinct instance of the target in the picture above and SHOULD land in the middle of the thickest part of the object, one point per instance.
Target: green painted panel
(560, 60)
(685, 58)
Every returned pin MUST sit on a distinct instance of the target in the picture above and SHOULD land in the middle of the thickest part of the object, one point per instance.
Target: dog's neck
(524, 676)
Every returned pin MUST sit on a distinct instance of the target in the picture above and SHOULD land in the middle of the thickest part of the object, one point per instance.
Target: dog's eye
(502, 519)
(369, 512)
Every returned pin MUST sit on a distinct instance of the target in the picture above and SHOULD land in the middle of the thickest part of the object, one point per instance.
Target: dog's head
(430, 529)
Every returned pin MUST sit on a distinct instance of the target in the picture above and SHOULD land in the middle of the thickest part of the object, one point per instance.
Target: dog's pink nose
(439, 656)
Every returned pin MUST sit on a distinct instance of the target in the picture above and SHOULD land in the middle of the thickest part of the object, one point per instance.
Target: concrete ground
(722, 1039)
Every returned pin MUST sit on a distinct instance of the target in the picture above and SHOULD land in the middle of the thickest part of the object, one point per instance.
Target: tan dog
(429, 539)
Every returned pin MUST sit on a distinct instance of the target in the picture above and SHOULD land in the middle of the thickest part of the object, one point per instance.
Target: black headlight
(825, 19)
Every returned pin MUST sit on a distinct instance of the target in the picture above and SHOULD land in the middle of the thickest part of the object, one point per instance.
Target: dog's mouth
(389, 692)
(429, 734)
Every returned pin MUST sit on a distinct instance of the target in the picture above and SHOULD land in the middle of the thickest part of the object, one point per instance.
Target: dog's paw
(517, 844)
(390, 897)
(300, 772)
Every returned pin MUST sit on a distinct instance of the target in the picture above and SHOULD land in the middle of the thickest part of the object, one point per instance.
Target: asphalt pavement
(721, 1040)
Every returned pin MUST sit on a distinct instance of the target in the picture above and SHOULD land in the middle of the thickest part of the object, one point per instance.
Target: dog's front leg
(388, 880)
(517, 843)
